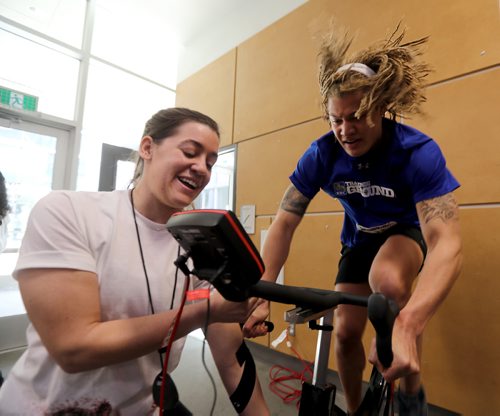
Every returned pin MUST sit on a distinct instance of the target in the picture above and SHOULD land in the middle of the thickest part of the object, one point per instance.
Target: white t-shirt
(95, 232)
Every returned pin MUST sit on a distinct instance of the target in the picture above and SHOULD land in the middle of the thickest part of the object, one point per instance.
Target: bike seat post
(322, 351)
(318, 396)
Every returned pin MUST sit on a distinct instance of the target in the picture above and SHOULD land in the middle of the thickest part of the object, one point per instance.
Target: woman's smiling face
(177, 168)
(354, 134)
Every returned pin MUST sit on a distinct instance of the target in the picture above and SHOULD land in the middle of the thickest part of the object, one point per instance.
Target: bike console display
(220, 249)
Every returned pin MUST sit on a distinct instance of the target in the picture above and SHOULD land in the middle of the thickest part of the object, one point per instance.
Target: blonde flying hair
(397, 84)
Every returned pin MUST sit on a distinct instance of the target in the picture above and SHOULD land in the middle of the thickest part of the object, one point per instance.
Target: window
(32, 168)
(62, 19)
(117, 106)
(117, 167)
(130, 35)
(40, 71)
(219, 193)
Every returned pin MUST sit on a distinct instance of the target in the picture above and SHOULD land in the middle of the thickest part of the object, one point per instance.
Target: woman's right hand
(254, 325)
(222, 310)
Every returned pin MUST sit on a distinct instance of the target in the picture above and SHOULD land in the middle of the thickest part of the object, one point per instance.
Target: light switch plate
(247, 218)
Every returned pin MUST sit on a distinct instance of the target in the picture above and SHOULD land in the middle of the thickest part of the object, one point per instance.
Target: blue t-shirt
(379, 189)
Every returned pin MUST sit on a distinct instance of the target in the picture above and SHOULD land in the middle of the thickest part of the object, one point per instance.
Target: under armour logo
(365, 165)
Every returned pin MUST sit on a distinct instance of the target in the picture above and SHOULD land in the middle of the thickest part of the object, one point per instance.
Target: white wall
(228, 28)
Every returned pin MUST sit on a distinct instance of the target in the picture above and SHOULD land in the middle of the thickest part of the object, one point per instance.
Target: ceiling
(206, 29)
(194, 17)
(209, 28)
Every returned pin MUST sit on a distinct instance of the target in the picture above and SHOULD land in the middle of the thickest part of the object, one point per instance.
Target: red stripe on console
(242, 238)
(235, 228)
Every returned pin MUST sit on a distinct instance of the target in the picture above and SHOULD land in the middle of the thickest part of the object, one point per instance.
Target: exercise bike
(223, 254)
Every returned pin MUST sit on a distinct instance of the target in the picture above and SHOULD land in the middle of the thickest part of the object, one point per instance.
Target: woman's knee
(393, 283)
(395, 267)
(349, 325)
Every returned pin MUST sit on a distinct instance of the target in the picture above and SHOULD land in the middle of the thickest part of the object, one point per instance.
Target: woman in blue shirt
(399, 207)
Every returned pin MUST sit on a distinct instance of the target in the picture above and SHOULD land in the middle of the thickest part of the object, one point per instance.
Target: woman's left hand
(406, 359)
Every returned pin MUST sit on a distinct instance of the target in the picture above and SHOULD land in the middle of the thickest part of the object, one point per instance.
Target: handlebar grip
(382, 313)
(269, 325)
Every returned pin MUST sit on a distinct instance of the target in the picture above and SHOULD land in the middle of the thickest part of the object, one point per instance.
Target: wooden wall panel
(315, 251)
(211, 91)
(271, 101)
(463, 35)
(461, 354)
(312, 262)
(276, 77)
(461, 116)
(461, 357)
(276, 84)
(264, 165)
(261, 223)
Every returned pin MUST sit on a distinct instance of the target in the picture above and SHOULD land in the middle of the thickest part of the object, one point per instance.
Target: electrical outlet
(291, 330)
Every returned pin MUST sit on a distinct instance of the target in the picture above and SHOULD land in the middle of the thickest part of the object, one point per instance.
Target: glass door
(117, 167)
(33, 162)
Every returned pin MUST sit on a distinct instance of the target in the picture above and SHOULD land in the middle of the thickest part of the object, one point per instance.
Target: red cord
(391, 398)
(170, 342)
(280, 377)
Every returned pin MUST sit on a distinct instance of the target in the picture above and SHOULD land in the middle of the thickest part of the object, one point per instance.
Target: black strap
(243, 393)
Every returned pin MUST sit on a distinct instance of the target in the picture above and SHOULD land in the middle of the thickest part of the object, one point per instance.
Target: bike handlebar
(382, 312)
(306, 297)
(223, 254)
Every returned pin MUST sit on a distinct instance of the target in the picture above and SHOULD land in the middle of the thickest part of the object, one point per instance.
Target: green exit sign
(18, 100)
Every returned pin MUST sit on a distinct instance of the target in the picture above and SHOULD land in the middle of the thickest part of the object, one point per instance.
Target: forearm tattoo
(443, 207)
(293, 201)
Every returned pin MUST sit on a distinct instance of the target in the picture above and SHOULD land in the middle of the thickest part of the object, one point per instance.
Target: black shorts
(355, 262)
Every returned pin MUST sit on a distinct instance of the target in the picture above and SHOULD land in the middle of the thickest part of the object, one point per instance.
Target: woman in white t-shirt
(97, 278)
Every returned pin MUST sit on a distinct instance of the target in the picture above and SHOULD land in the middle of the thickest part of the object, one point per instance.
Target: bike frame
(223, 254)
(318, 398)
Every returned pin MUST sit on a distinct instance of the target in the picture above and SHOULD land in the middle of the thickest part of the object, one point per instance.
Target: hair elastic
(358, 67)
